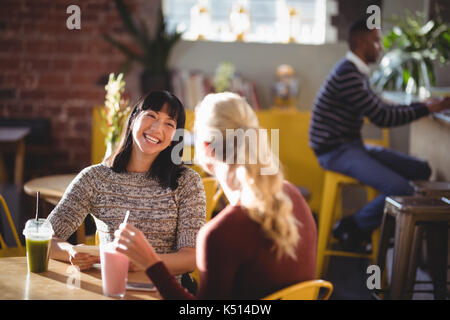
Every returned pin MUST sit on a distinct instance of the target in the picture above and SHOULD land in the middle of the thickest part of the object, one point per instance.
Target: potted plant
(412, 46)
(154, 51)
(115, 112)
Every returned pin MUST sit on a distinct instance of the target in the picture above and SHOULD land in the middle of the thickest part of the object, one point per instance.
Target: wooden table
(59, 283)
(14, 137)
(51, 190)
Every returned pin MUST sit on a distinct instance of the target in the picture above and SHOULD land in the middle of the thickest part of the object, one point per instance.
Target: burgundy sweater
(235, 259)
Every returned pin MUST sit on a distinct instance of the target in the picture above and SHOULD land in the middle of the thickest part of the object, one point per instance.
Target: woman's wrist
(151, 260)
(60, 250)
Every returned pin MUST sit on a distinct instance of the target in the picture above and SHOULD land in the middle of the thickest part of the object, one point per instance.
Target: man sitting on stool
(335, 134)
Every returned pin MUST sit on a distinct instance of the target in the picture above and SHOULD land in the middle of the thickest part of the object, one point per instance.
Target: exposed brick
(72, 47)
(32, 94)
(76, 142)
(82, 126)
(62, 63)
(83, 79)
(7, 93)
(52, 79)
(39, 64)
(75, 111)
(41, 47)
(48, 71)
(28, 108)
(9, 63)
(11, 45)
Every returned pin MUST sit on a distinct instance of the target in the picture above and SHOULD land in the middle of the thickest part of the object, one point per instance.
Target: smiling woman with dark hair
(166, 200)
(162, 168)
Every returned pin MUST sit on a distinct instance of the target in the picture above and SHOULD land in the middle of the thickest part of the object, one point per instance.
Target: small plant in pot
(153, 51)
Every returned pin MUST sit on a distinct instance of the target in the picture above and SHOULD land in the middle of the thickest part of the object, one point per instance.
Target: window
(303, 21)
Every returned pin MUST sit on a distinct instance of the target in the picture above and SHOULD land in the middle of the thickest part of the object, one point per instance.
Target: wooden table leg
(19, 162)
(404, 233)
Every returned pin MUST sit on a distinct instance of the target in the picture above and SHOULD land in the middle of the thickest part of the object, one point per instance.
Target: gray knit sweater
(169, 219)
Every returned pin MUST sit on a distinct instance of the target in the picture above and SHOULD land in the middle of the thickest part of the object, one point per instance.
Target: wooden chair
(6, 251)
(307, 290)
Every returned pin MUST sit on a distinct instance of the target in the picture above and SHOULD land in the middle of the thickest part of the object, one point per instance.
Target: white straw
(126, 216)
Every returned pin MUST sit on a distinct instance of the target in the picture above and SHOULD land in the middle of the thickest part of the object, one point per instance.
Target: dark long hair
(163, 168)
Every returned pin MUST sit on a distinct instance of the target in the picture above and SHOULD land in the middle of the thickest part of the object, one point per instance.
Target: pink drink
(114, 271)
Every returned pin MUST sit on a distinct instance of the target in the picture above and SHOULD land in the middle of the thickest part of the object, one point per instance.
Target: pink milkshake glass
(114, 270)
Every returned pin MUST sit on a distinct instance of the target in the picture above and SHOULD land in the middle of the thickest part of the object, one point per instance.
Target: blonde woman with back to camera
(264, 240)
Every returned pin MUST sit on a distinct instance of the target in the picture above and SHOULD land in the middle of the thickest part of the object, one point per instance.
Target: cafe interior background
(54, 70)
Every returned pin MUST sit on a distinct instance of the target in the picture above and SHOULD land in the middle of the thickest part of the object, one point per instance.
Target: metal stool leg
(413, 261)
(387, 231)
(325, 219)
(437, 242)
(404, 233)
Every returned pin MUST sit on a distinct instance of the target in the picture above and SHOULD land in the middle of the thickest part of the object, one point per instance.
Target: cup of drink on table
(38, 234)
(114, 267)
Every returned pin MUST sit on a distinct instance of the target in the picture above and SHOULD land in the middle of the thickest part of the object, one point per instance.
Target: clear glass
(114, 266)
(38, 235)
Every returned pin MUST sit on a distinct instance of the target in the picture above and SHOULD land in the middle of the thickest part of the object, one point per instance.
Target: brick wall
(49, 71)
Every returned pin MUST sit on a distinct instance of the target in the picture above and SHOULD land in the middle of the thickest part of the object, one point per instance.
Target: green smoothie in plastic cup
(38, 235)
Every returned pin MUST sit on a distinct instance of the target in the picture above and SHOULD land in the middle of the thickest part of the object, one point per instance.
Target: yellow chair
(6, 251)
(213, 193)
(307, 290)
(328, 215)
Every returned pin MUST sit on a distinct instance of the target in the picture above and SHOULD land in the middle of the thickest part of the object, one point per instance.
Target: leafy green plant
(116, 110)
(154, 51)
(223, 76)
(412, 46)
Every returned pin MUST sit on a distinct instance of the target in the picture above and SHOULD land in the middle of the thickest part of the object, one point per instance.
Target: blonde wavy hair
(261, 194)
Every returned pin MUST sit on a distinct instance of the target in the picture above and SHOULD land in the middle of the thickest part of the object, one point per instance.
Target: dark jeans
(386, 170)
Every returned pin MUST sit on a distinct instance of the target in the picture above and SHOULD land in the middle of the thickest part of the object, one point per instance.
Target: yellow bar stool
(328, 216)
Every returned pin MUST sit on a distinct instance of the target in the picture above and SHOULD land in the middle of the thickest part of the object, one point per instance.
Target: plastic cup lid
(38, 229)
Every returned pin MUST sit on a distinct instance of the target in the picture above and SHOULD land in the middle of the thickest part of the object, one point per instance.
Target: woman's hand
(133, 268)
(135, 246)
(82, 260)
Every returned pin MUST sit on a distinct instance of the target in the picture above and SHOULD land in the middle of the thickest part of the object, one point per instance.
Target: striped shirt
(170, 219)
(342, 103)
